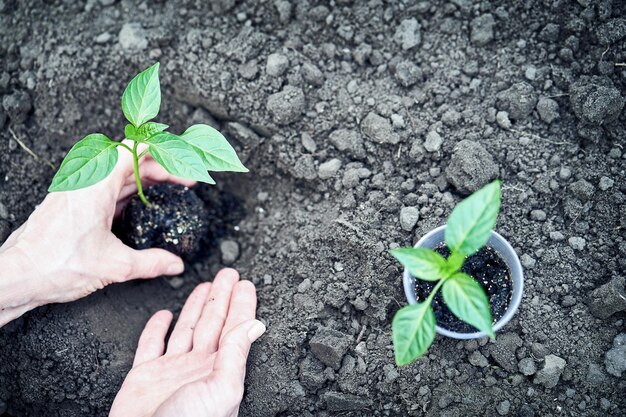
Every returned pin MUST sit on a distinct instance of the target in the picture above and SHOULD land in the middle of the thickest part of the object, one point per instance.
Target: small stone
(408, 34)
(308, 143)
(502, 118)
(287, 105)
(304, 168)
(550, 33)
(312, 74)
(330, 346)
(577, 243)
(615, 359)
(595, 375)
(311, 373)
(329, 168)
(611, 31)
(176, 282)
(249, 70)
(276, 65)
(267, 279)
(304, 286)
(407, 73)
(605, 183)
(339, 401)
(4, 212)
(230, 252)
(504, 407)
(478, 359)
(481, 29)
(609, 298)
(583, 189)
(409, 217)
(565, 173)
(596, 101)
(548, 109)
(519, 100)
(557, 236)
(284, 9)
(568, 301)
(538, 215)
(471, 167)
(503, 350)
(527, 366)
(433, 141)
(528, 261)
(17, 106)
(539, 350)
(132, 37)
(551, 372)
(378, 129)
(349, 141)
(103, 38)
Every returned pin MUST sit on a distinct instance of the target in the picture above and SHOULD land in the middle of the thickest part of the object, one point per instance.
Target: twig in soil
(513, 187)
(30, 152)
(349, 226)
(361, 333)
(603, 53)
(620, 64)
(533, 136)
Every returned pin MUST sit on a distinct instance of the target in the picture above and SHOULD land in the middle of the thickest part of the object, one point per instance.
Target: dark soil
(176, 221)
(488, 268)
(347, 113)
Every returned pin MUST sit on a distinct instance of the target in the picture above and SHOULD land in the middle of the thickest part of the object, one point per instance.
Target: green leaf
(422, 263)
(455, 262)
(473, 219)
(89, 161)
(130, 132)
(213, 148)
(413, 331)
(177, 157)
(142, 98)
(468, 301)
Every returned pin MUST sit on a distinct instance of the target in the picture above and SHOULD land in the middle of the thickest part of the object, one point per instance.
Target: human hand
(201, 374)
(65, 250)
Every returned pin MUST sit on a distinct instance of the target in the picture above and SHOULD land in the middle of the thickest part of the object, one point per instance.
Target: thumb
(234, 348)
(151, 263)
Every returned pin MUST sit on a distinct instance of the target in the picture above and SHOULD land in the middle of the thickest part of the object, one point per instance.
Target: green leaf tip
(413, 331)
(422, 263)
(471, 222)
(141, 100)
(213, 148)
(89, 161)
(177, 157)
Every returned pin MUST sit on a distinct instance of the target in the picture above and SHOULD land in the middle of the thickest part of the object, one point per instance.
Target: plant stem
(137, 177)
(432, 294)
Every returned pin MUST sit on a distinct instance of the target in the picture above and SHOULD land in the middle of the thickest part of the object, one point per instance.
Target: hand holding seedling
(199, 149)
(202, 371)
(66, 250)
(468, 230)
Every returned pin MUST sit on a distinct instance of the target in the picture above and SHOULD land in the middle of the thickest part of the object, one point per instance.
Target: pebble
(503, 350)
(330, 346)
(132, 37)
(304, 168)
(527, 366)
(175, 282)
(308, 143)
(103, 38)
(595, 100)
(409, 217)
(557, 236)
(433, 141)
(615, 359)
(609, 298)
(478, 359)
(538, 215)
(528, 261)
(502, 118)
(287, 105)
(504, 407)
(329, 168)
(519, 100)
(565, 173)
(17, 106)
(4, 212)
(471, 167)
(230, 252)
(349, 141)
(407, 73)
(605, 183)
(276, 64)
(378, 129)
(550, 374)
(408, 34)
(548, 109)
(312, 74)
(568, 301)
(577, 243)
(582, 189)
(481, 29)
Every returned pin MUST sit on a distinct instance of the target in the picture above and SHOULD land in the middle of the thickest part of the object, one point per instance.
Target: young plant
(199, 149)
(468, 229)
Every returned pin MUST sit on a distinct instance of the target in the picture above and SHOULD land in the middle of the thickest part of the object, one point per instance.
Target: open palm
(202, 371)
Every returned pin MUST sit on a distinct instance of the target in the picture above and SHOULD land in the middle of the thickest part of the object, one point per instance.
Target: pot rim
(506, 251)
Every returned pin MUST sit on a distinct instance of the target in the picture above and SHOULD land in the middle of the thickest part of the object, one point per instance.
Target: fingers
(242, 305)
(209, 328)
(181, 339)
(230, 361)
(152, 340)
(147, 263)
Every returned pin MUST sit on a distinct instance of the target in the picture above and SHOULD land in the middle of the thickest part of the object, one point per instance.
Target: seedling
(467, 231)
(199, 149)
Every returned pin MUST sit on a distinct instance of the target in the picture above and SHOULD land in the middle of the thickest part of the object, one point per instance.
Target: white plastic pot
(435, 238)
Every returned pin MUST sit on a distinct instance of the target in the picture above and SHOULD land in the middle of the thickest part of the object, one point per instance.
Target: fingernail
(175, 268)
(256, 331)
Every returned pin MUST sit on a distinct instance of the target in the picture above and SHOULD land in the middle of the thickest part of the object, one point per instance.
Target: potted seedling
(462, 280)
(172, 217)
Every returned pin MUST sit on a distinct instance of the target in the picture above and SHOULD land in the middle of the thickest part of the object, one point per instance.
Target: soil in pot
(491, 272)
(177, 221)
